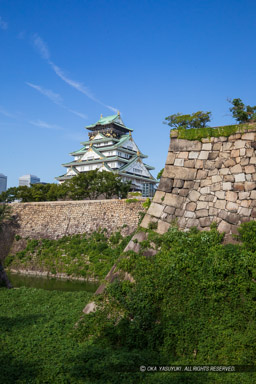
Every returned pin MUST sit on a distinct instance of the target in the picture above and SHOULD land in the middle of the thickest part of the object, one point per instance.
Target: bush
(247, 234)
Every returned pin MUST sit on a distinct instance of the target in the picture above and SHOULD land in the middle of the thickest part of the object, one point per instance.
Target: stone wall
(213, 180)
(57, 219)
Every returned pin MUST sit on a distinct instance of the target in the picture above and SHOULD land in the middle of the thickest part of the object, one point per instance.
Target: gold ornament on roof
(101, 116)
(138, 153)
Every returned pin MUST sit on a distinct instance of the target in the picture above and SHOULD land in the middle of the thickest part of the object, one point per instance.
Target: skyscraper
(28, 180)
(3, 183)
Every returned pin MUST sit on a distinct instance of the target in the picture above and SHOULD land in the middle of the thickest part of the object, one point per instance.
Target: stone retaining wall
(213, 180)
(57, 219)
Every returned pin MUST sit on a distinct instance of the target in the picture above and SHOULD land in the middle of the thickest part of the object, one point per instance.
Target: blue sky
(63, 63)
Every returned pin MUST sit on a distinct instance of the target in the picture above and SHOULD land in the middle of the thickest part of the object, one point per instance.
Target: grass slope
(88, 256)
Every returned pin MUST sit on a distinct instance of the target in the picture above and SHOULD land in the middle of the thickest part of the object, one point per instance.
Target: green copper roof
(107, 120)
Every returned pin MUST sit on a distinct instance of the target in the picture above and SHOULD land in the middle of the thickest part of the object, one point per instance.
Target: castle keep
(111, 148)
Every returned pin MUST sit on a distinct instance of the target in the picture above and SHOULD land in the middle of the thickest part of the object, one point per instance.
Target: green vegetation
(193, 127)
(242, 113)
(88, 256)
(159, 175)
(86, 185)
(195, 120)
(36, 342)
(207, 132)
(192, 303)
(133, 200)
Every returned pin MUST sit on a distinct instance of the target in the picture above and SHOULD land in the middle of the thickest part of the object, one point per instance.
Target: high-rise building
(111, 148)
(27, 180)
(3, 183)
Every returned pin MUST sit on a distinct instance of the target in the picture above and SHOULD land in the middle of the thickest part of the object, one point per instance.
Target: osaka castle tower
(111, 148)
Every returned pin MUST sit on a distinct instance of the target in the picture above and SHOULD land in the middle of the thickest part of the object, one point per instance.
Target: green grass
(88, 256)
(206, 132)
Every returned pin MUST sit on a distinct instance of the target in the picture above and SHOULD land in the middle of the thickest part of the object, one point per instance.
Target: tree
(195, 120)
(92, 184)
(242, 113)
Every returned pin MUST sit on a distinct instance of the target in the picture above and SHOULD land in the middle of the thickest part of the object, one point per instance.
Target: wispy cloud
(79, 114)
(54, 97)
(5, 113)
(41, 47)
(43, 124)
(3, 24)
(44, 52)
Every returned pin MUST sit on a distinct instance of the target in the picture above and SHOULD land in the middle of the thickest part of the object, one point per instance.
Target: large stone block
(159, 197)
(220, 204)
(162, 227)
(173, 200)
(239, 144)
(194, 195)
(202, 213)
(184, 192)
(156, 209)
(201, 174)
(205, 222)
(193, 155)
(236, 169)
(249, 186)
(172, 172)
(250, 169)
(165, 184)
(180, 145)
(224, 227)
(191, 206)
(203, 155)
(189, 163)
(231, 196)
(248, 136)
(209, 164)
(179, 162)
(177, 183)
(192, 223)
(182, 155)
(232, 207)
(244, 211)
(213, 155)
(170, 158)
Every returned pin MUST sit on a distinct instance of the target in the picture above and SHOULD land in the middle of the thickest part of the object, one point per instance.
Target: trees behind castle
(87, 185)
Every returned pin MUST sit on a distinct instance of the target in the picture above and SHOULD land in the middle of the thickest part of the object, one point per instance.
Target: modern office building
(3, 183)
(111, 148)
(27, 180)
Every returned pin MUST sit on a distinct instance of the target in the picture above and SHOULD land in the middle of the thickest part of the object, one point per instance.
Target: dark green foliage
(192, 303)
(87, 185)
(242, 113)
(89, 256)
(195, 120)
(247, 234)
(36, 346)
